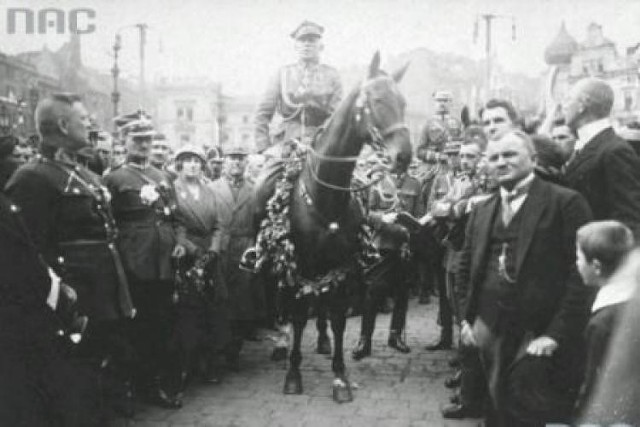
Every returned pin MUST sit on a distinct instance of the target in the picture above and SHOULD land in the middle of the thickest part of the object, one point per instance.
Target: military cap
(139, 128)
(190, 149)
(307, 28)
(237, 150)
(452, 147)
(124, 119)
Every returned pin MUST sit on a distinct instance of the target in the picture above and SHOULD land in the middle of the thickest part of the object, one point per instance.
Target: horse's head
(380, 115)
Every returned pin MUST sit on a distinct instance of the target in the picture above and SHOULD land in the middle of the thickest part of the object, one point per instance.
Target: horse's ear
(399, 74)
(465, 118)
(374, 67)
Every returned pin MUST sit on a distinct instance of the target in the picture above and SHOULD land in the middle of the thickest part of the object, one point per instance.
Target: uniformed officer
(304, 94)
(40, 385)
(67, 212)
(392, 240)
(143, 206)
(442, 127)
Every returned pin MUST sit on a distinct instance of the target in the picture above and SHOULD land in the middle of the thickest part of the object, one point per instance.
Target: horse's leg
(341, 386)
(293, 380)
(324, 344)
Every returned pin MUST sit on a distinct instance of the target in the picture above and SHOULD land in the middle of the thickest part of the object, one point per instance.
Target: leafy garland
(275, 247)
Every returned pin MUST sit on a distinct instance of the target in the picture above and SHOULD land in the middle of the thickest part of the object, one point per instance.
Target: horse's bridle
(364, 111)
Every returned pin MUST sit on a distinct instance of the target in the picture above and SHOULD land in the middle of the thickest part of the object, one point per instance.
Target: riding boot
(395, 341)
(363, 348)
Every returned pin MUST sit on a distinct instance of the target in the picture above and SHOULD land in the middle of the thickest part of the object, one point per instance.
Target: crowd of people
(120, 260)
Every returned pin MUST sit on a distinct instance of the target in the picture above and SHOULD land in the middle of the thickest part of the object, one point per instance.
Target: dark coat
(146, 238)
(70, 222)
(607, 173)
(551, 299)
(235, 233)
(39, 386)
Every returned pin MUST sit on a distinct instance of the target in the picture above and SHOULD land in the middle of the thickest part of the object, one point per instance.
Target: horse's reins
(376, 142)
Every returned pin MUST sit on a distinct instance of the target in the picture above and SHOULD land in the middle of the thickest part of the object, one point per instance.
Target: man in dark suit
(526, 304)
(604, 168)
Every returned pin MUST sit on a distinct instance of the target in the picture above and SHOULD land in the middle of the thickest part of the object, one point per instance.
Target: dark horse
(326, 219)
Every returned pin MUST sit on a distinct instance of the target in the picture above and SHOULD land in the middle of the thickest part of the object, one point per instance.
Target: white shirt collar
(621, 285)
(517, 202)
(504, 193)
(587, 132)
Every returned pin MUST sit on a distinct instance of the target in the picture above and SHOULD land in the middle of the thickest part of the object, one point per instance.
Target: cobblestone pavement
(393, 389)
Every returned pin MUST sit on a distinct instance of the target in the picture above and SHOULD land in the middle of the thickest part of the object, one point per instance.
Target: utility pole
(143, 41)
(488, 20)
(115, 71)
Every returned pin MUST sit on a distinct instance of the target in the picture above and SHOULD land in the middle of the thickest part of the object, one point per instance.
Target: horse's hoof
(293, 383)
(324, 345)
(342, 391)
(279, 353)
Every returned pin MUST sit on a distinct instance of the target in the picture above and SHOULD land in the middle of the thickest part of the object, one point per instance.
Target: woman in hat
(200, 327)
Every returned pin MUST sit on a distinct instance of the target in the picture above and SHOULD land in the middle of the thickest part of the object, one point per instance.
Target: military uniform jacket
(439, 130)
(392, 236)
(296, 91)
(146, 239)
(66, 210)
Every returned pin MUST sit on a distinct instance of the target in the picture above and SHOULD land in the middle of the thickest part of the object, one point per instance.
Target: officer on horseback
(304, 94)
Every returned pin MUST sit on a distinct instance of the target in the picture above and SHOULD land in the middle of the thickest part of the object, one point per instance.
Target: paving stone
(392, 389)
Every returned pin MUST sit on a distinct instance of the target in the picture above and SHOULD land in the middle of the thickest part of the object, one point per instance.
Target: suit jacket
(607, 173)
(551, 298)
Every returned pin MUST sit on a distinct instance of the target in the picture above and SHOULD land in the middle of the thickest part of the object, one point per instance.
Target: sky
(241, 43)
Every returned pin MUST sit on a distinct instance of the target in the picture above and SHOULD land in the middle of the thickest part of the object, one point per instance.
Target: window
(189, 114)
(185, 139)
(179, 113)
(245, 119)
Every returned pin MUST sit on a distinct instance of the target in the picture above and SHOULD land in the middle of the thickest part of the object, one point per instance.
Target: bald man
(525, 306)
(605, 168)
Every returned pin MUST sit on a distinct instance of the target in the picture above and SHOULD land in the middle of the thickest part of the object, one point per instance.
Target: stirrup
(248, 261)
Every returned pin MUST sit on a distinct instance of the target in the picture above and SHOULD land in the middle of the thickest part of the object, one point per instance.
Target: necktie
(507, 210)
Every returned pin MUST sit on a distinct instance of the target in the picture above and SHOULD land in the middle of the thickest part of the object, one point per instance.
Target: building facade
(186, 111)
(597, 56)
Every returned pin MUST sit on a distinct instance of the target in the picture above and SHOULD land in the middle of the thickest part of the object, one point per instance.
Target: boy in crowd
(601, 248)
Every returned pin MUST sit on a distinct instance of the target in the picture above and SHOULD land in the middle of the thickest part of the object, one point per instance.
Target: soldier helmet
(307, 28)
(191, 150)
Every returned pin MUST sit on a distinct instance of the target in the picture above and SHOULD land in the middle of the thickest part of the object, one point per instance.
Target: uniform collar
(587, 132)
